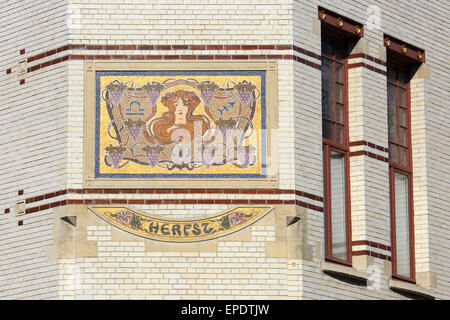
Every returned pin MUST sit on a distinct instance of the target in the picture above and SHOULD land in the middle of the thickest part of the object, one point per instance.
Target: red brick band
(364, 65)
(175, 57)
(181, 57)
(372, 254)
(179, 47)
(174, 191)
(172, 201)
(366, 56)
(48, 53)
(171, 56)
(308, 63)
(308, 53)
(369, 144)
(369, 154)
(371, 244)
(308, 206)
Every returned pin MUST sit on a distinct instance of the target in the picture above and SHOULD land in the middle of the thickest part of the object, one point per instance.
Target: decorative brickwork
(60, 250)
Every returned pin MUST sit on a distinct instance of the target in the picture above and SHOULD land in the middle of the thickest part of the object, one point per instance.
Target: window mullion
(400, 181)
(329, 228)
(333, 71)
(393, 225)
(336, 168)
(397, 92)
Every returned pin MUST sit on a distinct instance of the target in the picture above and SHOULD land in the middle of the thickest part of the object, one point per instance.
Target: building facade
(224, 150)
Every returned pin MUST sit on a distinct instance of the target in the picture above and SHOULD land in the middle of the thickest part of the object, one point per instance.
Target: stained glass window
(398, 115)
(333, 88)
(335, 147)
(400, 169)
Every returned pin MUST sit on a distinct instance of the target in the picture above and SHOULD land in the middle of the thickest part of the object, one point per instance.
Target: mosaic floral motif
(129, 219)
(134, 128)
(238, 217)
(115, 155)
(152, 153)
(245, 90)
(208, 156)
(153, 92)
(234, 219)
(246, 155)
(226, 128)
(136, 222)
(207, 89)
(180, 125)
(116, 89)
(124, 217)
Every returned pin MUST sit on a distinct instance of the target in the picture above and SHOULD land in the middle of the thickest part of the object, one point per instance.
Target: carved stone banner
(162, 229)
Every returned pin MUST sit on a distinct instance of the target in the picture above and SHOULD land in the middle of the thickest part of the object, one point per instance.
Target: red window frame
(398, 166)
(342, 147)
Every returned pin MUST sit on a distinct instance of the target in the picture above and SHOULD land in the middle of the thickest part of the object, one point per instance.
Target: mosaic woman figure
(177, 124)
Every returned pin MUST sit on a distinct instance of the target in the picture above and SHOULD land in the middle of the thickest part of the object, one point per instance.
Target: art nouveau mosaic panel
(171, 123)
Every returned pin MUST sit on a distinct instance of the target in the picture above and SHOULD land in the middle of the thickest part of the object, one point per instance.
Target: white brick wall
(41, 132)
(179, 22)
(33, 138)
(125, 270)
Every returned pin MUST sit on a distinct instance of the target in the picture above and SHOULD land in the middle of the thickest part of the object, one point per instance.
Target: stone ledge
(410, 288)
(344, 271)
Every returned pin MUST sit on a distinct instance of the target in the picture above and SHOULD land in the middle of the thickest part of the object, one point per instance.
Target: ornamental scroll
(158, 228)
(180, 124)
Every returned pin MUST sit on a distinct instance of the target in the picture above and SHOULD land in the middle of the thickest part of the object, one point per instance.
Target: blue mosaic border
(186, 73)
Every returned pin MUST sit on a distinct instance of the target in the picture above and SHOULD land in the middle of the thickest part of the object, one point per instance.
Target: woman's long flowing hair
(167, 119)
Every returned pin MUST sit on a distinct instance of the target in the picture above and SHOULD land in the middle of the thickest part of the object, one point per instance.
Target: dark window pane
(393, 152)
(402, 76)
(328, 129)
(327, 48)
(339, 93)
(402, 96)
(391, 73)
(402, 245)
(325, 157)
(392, 112)
(340, 134)
(338, 69)
(339, 112)
(393, 128)
(338, 205)
(327, 89)
(392, 95)
(402, 117)
(403, 156)
(340, 52)
(402, 136)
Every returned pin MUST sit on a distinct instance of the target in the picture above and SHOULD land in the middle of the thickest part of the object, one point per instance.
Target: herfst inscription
(158, 228)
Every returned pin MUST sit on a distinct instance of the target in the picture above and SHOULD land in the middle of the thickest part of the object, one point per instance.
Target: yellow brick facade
(43, 135)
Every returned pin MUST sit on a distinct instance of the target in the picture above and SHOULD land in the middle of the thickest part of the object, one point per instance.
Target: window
(400, 169)
(339, 37)
(335, 151)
